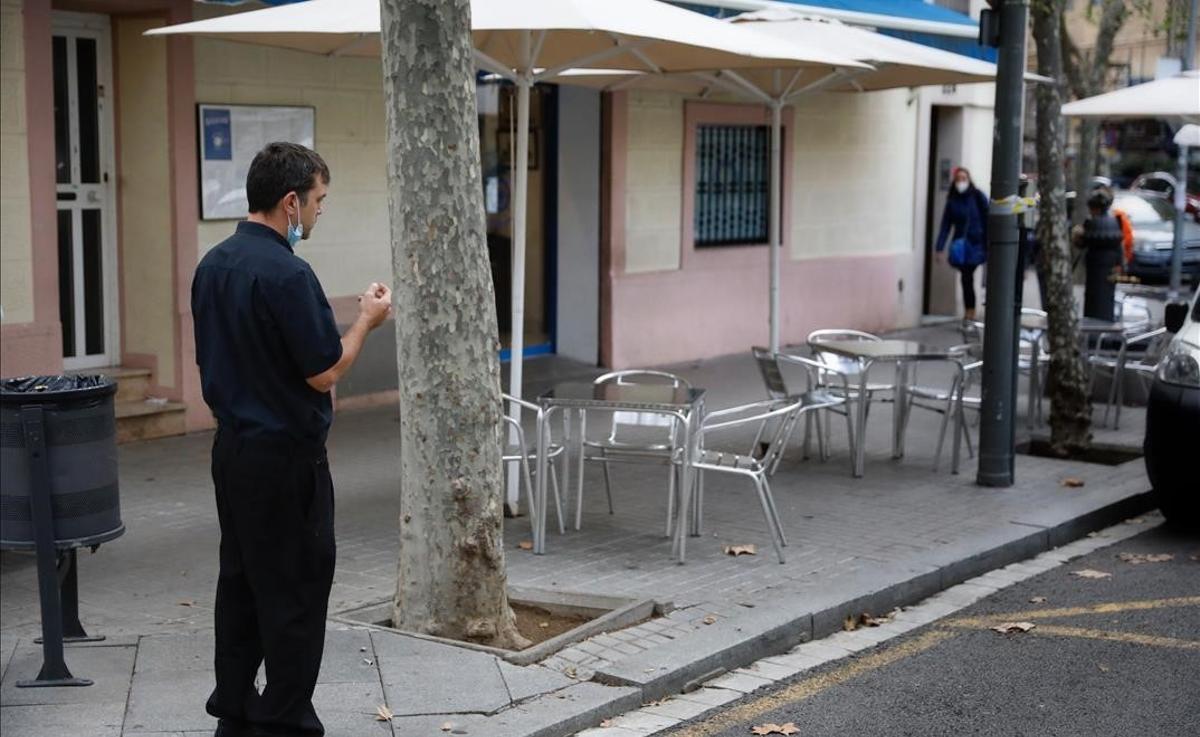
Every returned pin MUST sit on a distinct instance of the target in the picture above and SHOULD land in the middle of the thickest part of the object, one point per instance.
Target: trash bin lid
(48, 388)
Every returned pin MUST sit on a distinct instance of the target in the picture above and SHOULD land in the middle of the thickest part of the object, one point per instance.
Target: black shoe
(232, 728)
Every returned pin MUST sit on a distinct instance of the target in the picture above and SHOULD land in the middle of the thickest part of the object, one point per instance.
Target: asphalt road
(1115, 656)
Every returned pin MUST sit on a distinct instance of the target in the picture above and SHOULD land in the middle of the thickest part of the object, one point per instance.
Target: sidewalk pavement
(901, 533)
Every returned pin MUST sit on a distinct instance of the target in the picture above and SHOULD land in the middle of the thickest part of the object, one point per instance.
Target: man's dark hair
(281, 168)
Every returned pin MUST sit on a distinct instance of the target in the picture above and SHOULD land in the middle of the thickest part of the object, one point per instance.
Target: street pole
(1181, 158)
(996, 432)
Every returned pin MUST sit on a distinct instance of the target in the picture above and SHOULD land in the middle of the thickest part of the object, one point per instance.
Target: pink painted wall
(716, 302)
(36, 347)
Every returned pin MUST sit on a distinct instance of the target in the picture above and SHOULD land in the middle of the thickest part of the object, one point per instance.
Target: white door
(85, 177)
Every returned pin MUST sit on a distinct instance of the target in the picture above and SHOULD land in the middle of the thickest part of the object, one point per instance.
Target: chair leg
(850, 444)
(579, 479)
(937, 454)
(820, 428)
(671, 487)
(966, 433)
(827, 445)
(808, 425)
(764, 492)
(527, 477)
(775, 513)
(784, 441)
(1120, 379)
(557, 499)
(607, 480)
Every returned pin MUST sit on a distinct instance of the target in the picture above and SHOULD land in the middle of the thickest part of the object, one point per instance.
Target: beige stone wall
(1139, 43)
(16, 252)
(853, 174)
(147, 263)
(654, 182)
(350, 247)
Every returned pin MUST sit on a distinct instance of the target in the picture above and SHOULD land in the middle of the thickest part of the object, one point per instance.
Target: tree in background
(1070, 407)
(1087, 73)
(451, 578)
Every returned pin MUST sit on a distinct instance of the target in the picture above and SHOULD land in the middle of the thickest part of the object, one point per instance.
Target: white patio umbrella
(893, 62)
(528, 41)
(1176, 98)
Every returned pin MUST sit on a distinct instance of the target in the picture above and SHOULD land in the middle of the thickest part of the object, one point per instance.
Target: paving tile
(110, 669)
(711, 696)
(101, 719)
(677, 709)
(424, 677)
(740, 682)
(159, 704)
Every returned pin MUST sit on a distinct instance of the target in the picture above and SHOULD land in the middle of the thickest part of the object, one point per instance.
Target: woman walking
(966, 215)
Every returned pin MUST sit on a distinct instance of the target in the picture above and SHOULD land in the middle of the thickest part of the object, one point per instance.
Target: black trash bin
(58, 493)
(81, 451)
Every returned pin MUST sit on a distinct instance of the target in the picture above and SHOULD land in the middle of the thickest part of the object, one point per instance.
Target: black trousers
(967, 276)
(275, 507)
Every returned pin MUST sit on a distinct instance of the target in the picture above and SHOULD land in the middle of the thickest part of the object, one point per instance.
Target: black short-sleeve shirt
(263, 326)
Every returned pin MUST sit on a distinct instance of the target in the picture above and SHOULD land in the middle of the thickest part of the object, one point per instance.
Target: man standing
(269, 353)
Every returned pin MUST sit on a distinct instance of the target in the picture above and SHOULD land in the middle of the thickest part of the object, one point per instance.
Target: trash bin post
(54, 670)
(68, 597)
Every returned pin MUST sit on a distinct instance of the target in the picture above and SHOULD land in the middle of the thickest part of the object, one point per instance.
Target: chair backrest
(832, 360)
(660, 425)
(772, 376)
(1135, 312)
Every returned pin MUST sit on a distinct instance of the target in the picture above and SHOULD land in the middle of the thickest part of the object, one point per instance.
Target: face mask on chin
(295, 233)
(961, 187)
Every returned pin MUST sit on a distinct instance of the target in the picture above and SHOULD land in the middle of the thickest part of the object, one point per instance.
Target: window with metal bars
(732, 185)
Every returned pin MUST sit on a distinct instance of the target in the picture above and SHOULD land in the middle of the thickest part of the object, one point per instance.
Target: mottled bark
(1070, 407)
(1087, 74)
(451, 579)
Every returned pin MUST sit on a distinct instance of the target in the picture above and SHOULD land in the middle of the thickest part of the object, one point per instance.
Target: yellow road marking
(1105, 608)
(810, 687)
(1130, 637)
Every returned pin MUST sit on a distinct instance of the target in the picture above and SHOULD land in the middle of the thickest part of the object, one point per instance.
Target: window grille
(732, 183)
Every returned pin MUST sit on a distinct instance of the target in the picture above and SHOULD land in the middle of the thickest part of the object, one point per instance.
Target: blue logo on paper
(218, 138)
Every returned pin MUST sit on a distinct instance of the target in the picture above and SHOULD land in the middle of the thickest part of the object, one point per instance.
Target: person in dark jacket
(1101, 240)
(965, 218)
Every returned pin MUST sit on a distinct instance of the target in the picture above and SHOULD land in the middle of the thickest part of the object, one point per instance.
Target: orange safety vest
(1126, 233)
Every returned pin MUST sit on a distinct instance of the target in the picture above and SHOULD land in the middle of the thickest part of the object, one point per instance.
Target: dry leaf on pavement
(1090, 573)
(785, 729)
(570, 672)
(1103, 668)
(525, 545)
(447, 726)
(1009, 627)
(736, 550)
(383, 714)
(1139, 558)
(1037, 600)
(1072, 483)
(850, 624)
(710, 619)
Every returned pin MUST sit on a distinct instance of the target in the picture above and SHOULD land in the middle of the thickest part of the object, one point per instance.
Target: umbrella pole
(776, 221)
(1180, 207)
(521, 185)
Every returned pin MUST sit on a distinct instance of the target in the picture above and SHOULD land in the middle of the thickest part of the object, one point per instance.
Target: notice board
(230, 136)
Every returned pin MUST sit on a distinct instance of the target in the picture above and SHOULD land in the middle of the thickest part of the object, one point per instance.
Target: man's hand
(375, 304)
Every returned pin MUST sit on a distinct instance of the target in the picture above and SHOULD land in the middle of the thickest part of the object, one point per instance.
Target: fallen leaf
(1103, 668)
(850, 624)
(785, 729)
(543, 625)
(1009, 627)
(187, 602)
(362, 649)
(1090, 573)
(1072, 483)
(657, 702)
(570, 672)
(1140, 558)
(736, 550)
(383, 714)
(447, 726)
(1038, 600)
(710, 619)
(525, 545)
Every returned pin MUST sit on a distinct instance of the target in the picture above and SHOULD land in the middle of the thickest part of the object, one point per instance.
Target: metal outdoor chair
(775, 418)
(950, 401)
(972, 333)
(1137, 353)
(776, 385)
(848, 370)
(518, 452)
(633, 437)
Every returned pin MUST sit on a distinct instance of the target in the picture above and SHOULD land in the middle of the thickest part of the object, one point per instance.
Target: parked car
(1162, 184)
(1153, 220)
(1173, 419)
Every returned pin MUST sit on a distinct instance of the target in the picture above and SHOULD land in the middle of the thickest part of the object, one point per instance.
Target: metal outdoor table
(867, 352)
(683, 405)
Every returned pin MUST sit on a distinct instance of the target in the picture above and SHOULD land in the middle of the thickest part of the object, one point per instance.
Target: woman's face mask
(961, 186)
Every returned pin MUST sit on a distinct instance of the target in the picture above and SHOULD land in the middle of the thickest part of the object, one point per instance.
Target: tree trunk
(451, 580)
(1070, 407)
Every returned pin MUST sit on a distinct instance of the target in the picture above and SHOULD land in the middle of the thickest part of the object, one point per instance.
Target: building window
(732, 184)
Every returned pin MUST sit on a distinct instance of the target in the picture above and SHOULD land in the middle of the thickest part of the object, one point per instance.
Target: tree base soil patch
(1105, 455)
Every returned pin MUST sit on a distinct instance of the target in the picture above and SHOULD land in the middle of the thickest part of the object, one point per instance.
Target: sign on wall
(230, 136)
